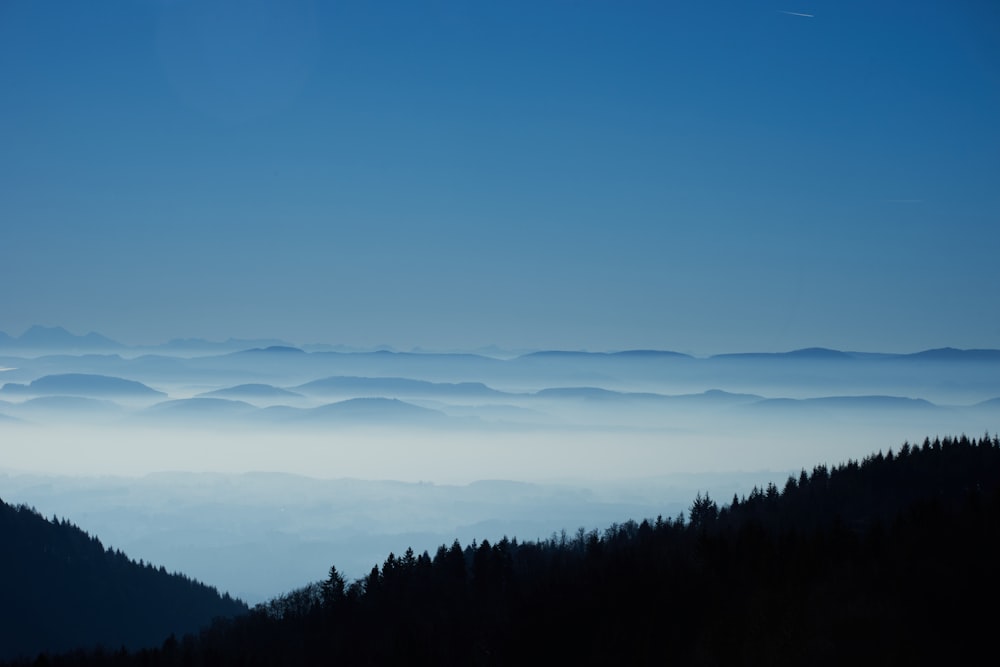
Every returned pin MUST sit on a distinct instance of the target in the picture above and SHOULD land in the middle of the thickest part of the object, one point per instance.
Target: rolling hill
(82, 384)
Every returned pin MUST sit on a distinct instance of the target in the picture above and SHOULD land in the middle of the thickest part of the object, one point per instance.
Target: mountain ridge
(85, 384)
(70, 592)
(52, 337)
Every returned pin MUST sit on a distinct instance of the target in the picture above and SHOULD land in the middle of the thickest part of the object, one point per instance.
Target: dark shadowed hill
(889, 560)
(61, 589)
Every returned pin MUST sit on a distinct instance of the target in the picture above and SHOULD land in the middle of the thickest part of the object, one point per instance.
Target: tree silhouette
(872, 561)
(333, 588)
(703, 511)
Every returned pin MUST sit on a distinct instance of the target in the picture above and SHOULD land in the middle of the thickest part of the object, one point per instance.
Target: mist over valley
(254, 468)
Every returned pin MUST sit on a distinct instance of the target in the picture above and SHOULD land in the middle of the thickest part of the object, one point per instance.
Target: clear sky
(697, 176)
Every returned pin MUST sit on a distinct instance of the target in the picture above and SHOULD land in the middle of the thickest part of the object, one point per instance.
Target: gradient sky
(694, 176)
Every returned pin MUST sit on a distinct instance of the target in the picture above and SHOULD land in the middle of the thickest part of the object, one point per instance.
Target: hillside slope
(878, 562)
(62, 589)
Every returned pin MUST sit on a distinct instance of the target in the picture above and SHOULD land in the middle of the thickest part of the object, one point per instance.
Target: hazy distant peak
(806, 353)
(501, 487)
(874, 401)
(82, 384)
(201, 405)
(376, 410)
(202, 345)
(58, 337)
(622, 354)
(274, 349)
(722, 394)
(649, 353)
(851, 402)
(818, 353)
(394, 386)
(560, 353)
(580, 392)
(599, 394)
(374, 401)
(250, 390)
(37, 331)
(954, 354)
(71, 403)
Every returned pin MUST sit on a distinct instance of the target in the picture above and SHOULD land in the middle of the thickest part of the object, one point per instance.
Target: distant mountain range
(849, 403)
(355, 411)
(41, 339)
(57, 338)
(351, 385)
(81, 384)
(382, 401)
(275, 383)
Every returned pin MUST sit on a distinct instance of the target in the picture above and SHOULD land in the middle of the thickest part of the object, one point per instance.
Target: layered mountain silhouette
(355, 411)
(391, 386)
(952, 354)
(201, 346)
(650, 389)
(82, 384)
(40, 338)
(72, 408)
(251, 391)
(376, 410)
(624, 354)
(891, 403)
(596, 394)
(992, 403)
(272, 349)
(809, 353)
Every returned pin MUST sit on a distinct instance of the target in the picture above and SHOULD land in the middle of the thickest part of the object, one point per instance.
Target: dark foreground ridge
(60, 589)
(890, 560)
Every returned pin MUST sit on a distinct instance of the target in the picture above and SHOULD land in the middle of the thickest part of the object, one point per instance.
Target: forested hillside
(888, 560)
(61, 589)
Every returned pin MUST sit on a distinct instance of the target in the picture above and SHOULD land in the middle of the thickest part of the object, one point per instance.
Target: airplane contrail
(808, 16)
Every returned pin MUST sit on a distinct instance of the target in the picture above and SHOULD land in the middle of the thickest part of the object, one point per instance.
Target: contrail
(808, 16)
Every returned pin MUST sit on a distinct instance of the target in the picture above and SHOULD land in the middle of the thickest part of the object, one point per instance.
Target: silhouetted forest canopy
(891, 559)
(61, 589)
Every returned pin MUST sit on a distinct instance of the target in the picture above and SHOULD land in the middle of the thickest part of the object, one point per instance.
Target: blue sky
(695, 176)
